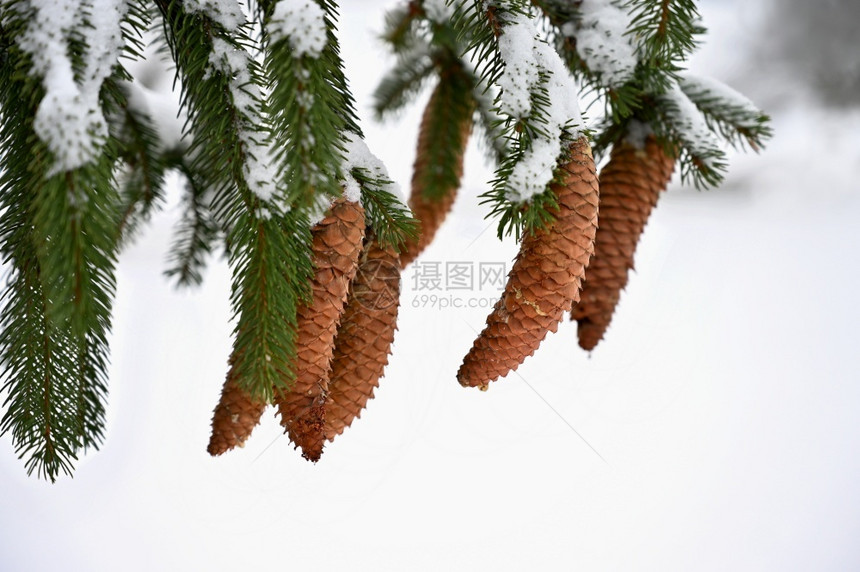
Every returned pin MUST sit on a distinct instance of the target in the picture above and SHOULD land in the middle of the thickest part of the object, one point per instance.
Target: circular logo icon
(376, 285)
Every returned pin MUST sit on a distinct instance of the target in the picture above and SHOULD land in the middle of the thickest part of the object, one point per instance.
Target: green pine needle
(196, 234)
(385, 213)
(57, 234)
(269, 250)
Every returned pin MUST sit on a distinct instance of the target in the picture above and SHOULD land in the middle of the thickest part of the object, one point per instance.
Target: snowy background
(714, 429)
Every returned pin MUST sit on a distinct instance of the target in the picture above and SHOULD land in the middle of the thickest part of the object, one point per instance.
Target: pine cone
(336, 247)
(431, 211)
(630, 185)
(235, 417)
(364, 338)
(545, 277)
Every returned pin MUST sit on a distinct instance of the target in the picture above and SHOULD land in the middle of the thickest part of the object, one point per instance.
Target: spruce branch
(386, 214)
(632, 56)
(400, 85)
(269, 248)
(727, 112)
(138, 146)
(667, 30)
(58, 236)
(34, 354)
(535, 98)
(311, 106)
(197, 231)
(684, 133)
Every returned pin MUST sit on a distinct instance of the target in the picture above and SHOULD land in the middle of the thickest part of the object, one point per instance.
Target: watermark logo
(384, 275)
(455, 284)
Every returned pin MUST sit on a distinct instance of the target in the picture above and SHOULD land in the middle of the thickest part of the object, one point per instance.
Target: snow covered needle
(258, 169)
(603, 42)
(535, 73)
(537, 97)
(70, 120)
(302, 23)
(59, 72)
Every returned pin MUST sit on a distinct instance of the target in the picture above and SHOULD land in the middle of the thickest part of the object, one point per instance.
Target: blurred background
(715, 428)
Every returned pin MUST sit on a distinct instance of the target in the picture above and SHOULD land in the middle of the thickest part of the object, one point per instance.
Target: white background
(714, 429)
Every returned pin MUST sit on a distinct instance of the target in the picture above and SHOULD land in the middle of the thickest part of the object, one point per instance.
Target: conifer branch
(269, 249)
(310, 103)
(385, 213)
(668, 30)
(196, 234)
(537, 99)
(402, 83)
(727, 112)
(138, 146)
(58, 234)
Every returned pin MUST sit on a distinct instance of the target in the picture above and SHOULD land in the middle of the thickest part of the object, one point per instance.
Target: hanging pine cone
(364, 337)
(630, 185)
(545, 277)
(235, 417)
(431, 208)
(337, 241)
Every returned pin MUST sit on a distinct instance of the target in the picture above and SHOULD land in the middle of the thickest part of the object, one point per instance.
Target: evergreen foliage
(660, 95)
(272, 137)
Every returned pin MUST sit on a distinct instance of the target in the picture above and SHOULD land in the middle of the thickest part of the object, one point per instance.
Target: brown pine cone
(337, 241)
(431, 211)
(235, 417)
(545, 277)
(630, 185)
(364, 337)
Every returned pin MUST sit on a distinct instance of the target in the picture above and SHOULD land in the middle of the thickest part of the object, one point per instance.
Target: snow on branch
(367, 179)
(359, 156)
(227, 13)
(732, 114)
(537, 86)
(70, 120)
(302, 23)
(517, 46)
(234, 63)
(163, 110)
(706, 160)
(689, 123)
(602, 40)
(693, 83)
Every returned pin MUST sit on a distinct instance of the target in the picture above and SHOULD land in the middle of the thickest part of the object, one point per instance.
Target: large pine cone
(336, 246)
(545, 278)
(630, 185)
(431, 211)
(364, 338)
